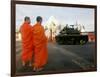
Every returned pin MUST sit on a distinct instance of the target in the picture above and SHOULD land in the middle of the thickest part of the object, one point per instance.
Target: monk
(27, 45)
(40, 45)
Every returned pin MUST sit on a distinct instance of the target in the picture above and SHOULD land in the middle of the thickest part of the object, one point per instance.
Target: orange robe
(40, 45)
(27, 45)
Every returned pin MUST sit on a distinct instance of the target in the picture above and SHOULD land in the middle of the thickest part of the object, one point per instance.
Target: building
(18, 35)
(91, 37)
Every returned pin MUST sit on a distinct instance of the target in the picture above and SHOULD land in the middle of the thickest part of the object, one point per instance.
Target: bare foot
(30, 64)
(23, 63)
(37, 69)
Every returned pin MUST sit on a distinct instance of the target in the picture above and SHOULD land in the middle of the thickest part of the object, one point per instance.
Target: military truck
(71, 36)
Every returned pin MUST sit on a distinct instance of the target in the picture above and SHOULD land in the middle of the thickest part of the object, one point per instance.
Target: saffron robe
(27, 45)
(40, 45)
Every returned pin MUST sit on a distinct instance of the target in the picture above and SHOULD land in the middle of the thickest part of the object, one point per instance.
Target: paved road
(62, 57)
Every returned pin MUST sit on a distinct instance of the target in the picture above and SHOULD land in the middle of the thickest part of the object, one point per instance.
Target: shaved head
(27, 19)
(39, 19)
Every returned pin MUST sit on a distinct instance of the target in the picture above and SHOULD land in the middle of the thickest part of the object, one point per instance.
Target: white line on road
(76, 58)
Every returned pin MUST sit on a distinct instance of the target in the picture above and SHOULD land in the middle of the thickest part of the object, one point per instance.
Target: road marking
(76, 58)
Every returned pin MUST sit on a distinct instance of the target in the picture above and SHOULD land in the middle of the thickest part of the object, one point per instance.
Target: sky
(65, 15)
